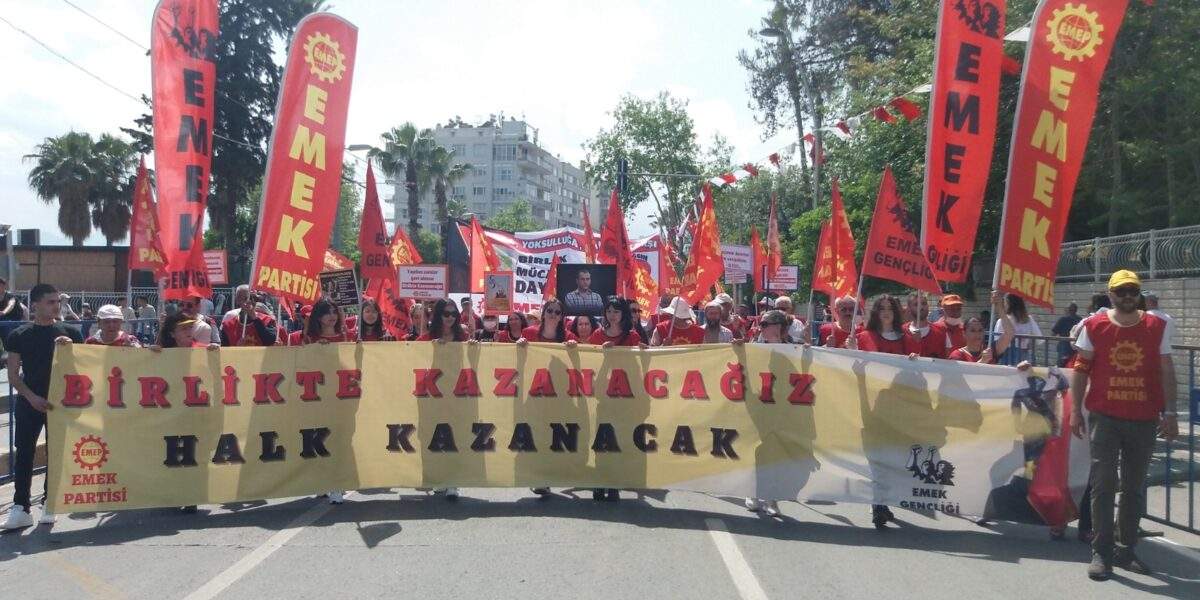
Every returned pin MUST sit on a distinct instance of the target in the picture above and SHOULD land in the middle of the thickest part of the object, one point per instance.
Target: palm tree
(444, 172)
(406, 153)
(112, 193)
(66, 172)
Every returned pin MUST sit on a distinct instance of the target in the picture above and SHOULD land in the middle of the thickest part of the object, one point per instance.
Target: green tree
(429, 244)
(112, 193)
(515, 217)
(443, 171)
(247, 88)
(655, 136)
(349, 216)
(65, 171)
(405, 155)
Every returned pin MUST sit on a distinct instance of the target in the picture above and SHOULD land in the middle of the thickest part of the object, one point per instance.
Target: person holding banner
(179, 331)
(1125, 374)
(206, 330)
(325, 324)
(551, 329)
(110, 330)
(835, 333)
(934, 340)
(618, 326)
(976, 349)
(370, 327)
(583, 327)
(30, 353)
(512, 328)
(772, 329)
(679, 327)
(246, 325)
(445, 325)
(951, 320)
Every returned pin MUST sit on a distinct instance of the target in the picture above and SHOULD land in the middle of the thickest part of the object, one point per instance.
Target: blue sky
(561, 64)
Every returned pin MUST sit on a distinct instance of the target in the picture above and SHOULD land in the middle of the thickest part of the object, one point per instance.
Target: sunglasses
(1127, 292)
(552, 312)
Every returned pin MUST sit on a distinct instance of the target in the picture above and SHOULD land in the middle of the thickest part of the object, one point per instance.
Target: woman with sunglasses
(772, 329)
(325, 325)
(639, 325)
(884, 333)
(444, 325)
(551, 329)
(512, 328)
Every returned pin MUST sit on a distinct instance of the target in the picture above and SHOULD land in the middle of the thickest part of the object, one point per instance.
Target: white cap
(109, 311)
(724, 298)
(680, 310)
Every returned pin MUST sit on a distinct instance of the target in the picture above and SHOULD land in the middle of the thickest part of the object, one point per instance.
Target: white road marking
(226, 578)
(743, 578)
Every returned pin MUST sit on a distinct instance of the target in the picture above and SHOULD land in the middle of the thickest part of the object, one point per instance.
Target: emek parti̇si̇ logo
(1074, 32)
(324, 57)
(91, 452)
(928, 467)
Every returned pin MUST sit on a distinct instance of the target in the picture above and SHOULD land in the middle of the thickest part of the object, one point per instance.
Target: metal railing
(1157, 253)
(222, 298)
(1175, 474)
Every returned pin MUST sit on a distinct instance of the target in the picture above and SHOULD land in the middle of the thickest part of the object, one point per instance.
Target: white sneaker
(47, 518)
(18, 518)
(452, 493)
(753, 505)
(336, 497)
(771, 507)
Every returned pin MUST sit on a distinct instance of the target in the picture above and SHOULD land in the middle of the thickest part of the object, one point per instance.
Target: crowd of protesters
(1121, 434)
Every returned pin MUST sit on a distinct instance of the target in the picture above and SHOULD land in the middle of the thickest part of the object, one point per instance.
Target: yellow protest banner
(135, 429)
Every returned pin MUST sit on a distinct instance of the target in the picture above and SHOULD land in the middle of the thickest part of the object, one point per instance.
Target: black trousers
(29, 424)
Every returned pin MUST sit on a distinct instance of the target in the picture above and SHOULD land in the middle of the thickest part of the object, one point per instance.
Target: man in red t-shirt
(935, 342)
(835, 334)
(951, 321)
(1126, 378)
(681, 329)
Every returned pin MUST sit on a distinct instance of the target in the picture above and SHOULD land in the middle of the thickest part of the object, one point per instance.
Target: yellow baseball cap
(1122, 278)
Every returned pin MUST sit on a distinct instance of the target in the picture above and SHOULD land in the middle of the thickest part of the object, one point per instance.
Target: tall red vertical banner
(962, 129)
(373, 242)
(304, 164)
(145, 244)
(183, 41)
(1069, 46)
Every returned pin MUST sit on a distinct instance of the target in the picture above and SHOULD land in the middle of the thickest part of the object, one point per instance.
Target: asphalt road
(506, 543)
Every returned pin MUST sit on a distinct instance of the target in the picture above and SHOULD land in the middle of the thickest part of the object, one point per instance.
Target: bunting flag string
(751, 169)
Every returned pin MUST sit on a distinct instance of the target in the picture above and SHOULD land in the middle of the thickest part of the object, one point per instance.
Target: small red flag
(758, 260)
(373, 240)
(843, 126)
(392, 310)
(893, 251)
(705, 265)
(908, 108)
(145, 243)
(589, 236)
(335, 260)
(402, 251)
(483, 256)
(823, 264)
(1010, 66)
(645, 288)
(549, 291)
(882, 114)
(614, 246)
(774, 248)
(845, 274)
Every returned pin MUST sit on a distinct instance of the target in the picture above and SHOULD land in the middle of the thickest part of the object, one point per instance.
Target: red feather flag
(705, 265)
(908, 108)
(483, 256)
(758, 260)
(841, 238)
(373, 238)
(548, 291)
(823, 263)
(614, 246)
(589, 236)
(645, 288)
(893, 251)
(145, 244)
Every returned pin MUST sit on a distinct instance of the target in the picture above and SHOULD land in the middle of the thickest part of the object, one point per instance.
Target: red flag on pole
(908, 108)
(549, 291)
(483, 256)
(774, 248)
(841, 238)
(145, 245)
(758, 260)
(183, 82)
(373, 240)
(589, 236)
(614, 246)
(1069, 47)
(823, 264)
(705, 265)
(893, 251)
(402, 251)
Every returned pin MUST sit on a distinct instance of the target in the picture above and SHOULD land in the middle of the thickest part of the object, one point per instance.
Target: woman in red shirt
(618, 326)
(884, 333)
(974, 331)
(444, 326)
(419, 317)
(370, 325)
(325, 325)
(512, 329)
(552, 329)
(582, 326)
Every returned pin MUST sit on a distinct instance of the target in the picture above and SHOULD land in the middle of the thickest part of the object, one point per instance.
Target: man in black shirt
(1062, 328)
(10, 306)
(30, 354)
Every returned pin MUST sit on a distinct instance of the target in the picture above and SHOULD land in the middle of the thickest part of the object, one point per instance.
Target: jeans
(1124, 445)
(29, 424)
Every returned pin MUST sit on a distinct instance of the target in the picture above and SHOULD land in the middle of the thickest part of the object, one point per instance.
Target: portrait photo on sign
(498, 293)
(583, 288)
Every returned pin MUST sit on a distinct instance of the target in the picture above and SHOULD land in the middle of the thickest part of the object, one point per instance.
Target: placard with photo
(583, 288)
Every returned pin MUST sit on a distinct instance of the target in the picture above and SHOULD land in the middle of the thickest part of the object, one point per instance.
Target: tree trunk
(1172, 209)
(1118, 181)
(410, 185)
(792, 77)
(439, 194)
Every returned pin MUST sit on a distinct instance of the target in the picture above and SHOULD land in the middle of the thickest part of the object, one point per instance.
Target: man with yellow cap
(1124, 374)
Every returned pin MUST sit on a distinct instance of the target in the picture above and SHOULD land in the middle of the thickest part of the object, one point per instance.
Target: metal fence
(1173, 465)
(1157, 253)
(222, 298)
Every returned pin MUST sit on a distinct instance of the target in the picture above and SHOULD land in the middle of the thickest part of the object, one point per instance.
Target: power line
(113, 87)
(106, 25)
